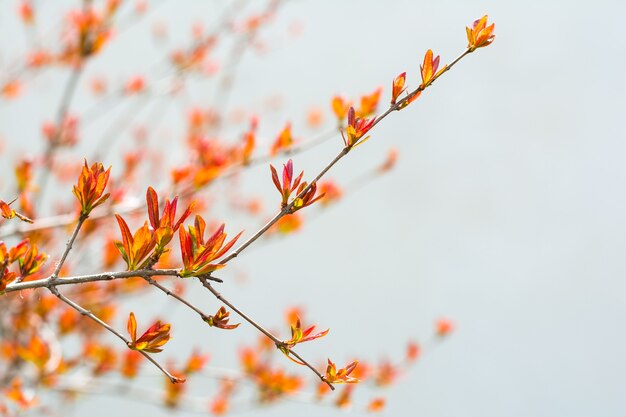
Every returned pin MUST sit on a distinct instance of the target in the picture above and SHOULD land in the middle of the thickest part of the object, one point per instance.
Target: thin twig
(402, 103)
(288, 208)
(170, 293)
(279, 343)
(68, 247)
(86, 313)
(285, 210)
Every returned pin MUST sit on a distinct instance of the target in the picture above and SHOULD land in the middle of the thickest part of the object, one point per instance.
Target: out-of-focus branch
(62, 220)
(53, 144)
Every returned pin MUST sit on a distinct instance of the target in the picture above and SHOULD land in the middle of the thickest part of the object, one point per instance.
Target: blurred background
(504, 213)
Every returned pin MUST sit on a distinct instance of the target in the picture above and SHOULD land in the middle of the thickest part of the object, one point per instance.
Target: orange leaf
(151, 341)
(220, 320)
(397, 87)
(131, 326)
(341, 376)
(429, 68)
(90, 187)
(480, 35)
(197, 254)
(152, 201)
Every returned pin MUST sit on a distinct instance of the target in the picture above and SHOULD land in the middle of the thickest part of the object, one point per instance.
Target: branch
(103, 276)
(64, 105)
(287, 209)
(229, 71)
(224, 21)
(401, 103)
(62, 220)
(279, 343)
(84, 312)
(68, 247)
(170, 293)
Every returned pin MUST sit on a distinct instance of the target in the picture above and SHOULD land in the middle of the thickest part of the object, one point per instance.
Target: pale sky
(505, 212)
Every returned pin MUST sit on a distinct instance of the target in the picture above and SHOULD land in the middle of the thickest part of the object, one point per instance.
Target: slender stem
(152, 282)
(401, 103)
(87, 313)
(279, 343)
(84, 312)
(323, 172)
(68, 247)
(257, 235)
(173, 379)
(287, 209)
(219, 296)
